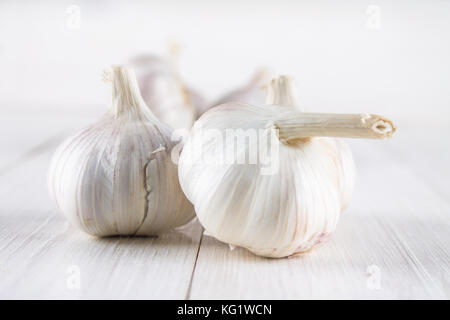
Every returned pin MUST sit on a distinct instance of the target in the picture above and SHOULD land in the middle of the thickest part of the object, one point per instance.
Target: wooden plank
(394, 231)
(427, 153)
(42, 256)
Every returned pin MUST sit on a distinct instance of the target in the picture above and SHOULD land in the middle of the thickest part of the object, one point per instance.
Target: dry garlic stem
(298, 125)
(116, 177)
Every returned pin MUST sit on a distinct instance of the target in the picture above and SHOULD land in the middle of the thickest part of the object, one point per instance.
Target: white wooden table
(392, 242)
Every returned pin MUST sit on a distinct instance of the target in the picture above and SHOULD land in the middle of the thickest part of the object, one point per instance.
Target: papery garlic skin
(273, 215)
(165, 93)
(116, 177)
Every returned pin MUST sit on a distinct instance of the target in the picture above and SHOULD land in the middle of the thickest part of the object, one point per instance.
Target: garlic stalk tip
(281, 91)
(125, 91)
(298, 125)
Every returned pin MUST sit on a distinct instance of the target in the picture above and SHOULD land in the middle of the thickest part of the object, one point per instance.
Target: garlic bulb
(253, 92)
(268, 177)
(116, 177)
(164, 91)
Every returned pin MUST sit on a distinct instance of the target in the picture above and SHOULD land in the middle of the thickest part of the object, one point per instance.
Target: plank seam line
(188, 293)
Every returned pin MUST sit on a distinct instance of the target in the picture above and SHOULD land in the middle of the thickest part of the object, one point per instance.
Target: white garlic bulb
(165, 93)
(116, 177)
(284, 203)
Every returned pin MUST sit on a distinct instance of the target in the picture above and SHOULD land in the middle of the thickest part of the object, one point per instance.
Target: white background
(342, 61)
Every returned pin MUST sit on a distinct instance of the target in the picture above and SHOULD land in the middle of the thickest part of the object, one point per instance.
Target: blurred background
(390, 57)
(386, 57)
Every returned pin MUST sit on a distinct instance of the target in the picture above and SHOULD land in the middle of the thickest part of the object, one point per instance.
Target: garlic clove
(282, 204)
(115, 177)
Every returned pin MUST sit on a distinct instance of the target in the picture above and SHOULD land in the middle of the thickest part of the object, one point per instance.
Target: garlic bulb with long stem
(116, 177)
(268, 177)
